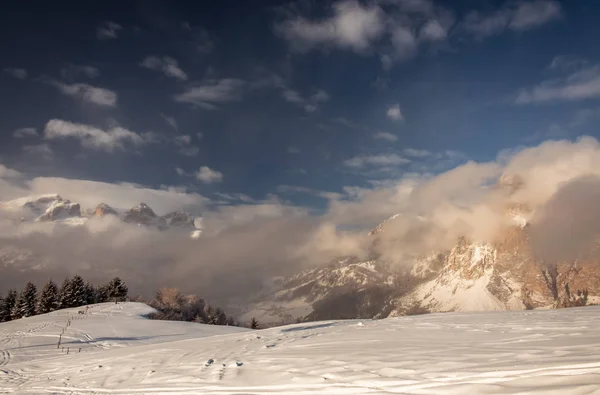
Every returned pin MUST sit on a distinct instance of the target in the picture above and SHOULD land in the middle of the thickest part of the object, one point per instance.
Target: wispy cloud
(376, 160)
(108, 30)
(579, 85)
(25, 132)
(310, 103)
(416, 153)
(351, 25)
(170, 120)
(92, 137)
(519, 16)
(308, 191)
(39, 150)
(394, 113)
(166, 65)
(86, 92)
(385, 136)
(211, 93)
(200, 37)
(208, 175)
(20, 74)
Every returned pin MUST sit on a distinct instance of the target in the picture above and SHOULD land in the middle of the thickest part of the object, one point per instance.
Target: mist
(243, 246)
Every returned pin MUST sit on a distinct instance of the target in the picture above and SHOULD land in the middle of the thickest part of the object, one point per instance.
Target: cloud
(170, 120)
(166, 65)
(92, 137)
(376, 160)
(416, 153)
(404, 43)
(208, 175)
(200, 37)
(432, 30)
(394, 112)
(72, 71)
(108, 30)
(308, 191)
(567, 63)
(183, 139)
(524, 15)
(86, 92)
(20, 74)
(25, 132)
(293, 150)
(40, 150)
(351, 25)
(579, 85)
(5, 172)
(385, 136)
(211, 93)
(189, 151)
(309, 104)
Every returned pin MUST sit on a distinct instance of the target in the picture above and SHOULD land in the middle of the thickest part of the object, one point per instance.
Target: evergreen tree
(7, 305)
(117, 289)
(2, 309)
(78, 295)
(90, 293)
(65, 296)
(25, 306)
(253, 323)
(211, 317)
(102, 294)
(15, 313)
(48, 298)
(220, 317)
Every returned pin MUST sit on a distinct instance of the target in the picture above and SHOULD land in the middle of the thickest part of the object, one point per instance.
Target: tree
(25, 306)
(90, 293)
(7, 305)
(65, 295)
(253, 323)
(48, 298)
(220, 317)
(102, 294)
(117, 289)
(78, 295)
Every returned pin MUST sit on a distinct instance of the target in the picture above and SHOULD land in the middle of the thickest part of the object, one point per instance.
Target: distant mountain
(53, 208)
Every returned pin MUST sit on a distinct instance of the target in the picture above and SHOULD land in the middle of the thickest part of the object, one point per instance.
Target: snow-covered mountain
(54, 208)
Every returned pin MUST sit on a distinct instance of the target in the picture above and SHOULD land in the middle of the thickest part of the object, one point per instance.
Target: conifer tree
(102, 294)
(78, 295)
(117, 289)
(65, 296)
(25, 306)
(253, 323)
(90, 293)
(48, 300)
(7, 305)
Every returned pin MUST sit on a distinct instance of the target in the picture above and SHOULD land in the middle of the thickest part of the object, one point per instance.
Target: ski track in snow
(532, 352)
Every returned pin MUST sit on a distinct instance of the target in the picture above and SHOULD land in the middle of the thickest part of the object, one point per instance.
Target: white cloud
(189, 151)
(580, 85)
(416, 153)
(385, 136)
(108, 30)
(432, 30)
(200, 38)
(166, 65)
(20, 74)
(567, 63)
(517, 17)
(376, 160)
(170, 120)
(86, 92)
(40, 150)
(404, 42)
(352, 25)
(308, 191)
(183, 139)
(92, 137)
(532, 14)
(25, 132)
(180, 171)
(394, 113)
(212, 92)
(6, 172)
(72, 71)
(309, 104)
(208, 175)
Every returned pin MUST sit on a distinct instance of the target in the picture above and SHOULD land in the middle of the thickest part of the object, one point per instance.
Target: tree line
(73, 292)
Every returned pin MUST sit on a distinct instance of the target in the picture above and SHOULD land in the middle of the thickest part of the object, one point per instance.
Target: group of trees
(74, 292)
(173, 305)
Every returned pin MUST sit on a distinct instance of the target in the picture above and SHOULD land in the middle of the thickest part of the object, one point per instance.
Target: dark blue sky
(293, 99)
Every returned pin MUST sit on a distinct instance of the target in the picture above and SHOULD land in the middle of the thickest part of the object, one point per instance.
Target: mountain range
(503, 274)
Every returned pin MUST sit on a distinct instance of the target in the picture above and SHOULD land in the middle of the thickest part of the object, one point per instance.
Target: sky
(329, 111)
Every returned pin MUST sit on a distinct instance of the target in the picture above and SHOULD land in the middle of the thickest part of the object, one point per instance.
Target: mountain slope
(121, 352)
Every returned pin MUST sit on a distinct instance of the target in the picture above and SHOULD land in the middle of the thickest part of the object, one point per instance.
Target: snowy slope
(533, 352)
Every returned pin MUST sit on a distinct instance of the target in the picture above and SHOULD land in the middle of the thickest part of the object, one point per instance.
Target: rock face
(144, 215)
(179, 219)
(41, 208)
(104, 209)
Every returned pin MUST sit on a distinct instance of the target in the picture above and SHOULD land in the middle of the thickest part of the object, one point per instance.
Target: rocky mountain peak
(104, 209)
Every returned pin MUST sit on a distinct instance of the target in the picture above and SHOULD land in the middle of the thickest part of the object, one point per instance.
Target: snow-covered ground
(526, 352)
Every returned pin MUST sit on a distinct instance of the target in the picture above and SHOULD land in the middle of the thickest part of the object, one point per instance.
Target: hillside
(534, 352)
